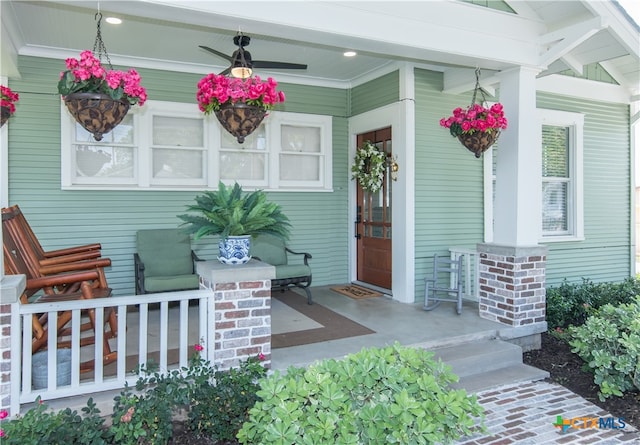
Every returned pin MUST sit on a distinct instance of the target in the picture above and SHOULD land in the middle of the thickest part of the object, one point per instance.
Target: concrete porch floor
(392, 321)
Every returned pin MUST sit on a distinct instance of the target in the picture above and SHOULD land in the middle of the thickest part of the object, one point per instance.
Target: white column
(517, 210)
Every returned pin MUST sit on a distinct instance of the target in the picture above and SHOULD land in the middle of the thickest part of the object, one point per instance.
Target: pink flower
(198, 347)
(90, 77)
(216, 90)
(126, 418)
(1, 432)
(475, 118)
(3, 414)
(261, 357)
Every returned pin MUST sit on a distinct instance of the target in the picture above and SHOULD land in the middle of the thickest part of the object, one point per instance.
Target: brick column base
(242, 296)
(512, 284)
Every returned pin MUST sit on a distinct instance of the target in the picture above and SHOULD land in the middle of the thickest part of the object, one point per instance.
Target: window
(562, 209)
(168, 145)
(561, 181)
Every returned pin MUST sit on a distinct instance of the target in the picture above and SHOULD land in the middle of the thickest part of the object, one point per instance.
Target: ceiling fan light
(241, 72)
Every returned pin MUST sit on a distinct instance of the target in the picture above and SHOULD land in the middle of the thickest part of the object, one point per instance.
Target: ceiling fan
(241, 63)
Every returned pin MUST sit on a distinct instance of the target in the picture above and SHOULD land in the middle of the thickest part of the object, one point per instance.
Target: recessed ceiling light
(113, 20)
(349, 53)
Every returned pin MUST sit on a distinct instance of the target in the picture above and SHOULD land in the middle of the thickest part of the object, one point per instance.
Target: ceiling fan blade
(278, 65)
(225, 72)
(216, 52)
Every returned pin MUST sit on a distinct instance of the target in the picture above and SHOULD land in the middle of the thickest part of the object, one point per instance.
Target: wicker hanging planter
(240, 119)
(97, 113)
(478, 142)
(477, 127)
(5, 113)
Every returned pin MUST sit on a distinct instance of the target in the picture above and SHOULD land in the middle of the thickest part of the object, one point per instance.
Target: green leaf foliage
(391, 395)
(228, 212)
(571, 304)
(609, 343)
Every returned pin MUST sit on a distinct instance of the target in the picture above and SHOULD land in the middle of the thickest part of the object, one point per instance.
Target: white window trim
(212, 137)
(575, 217)
(549, 117)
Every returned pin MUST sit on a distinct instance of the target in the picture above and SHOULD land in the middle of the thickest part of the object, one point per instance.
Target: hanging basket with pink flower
(8, 101)
(96, 97)
(239, 104)
(478, 126)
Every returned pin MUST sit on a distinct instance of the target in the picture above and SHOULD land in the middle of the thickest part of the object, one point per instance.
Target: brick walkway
(525, 414)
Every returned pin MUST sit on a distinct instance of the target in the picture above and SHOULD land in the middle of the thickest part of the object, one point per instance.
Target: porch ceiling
(447, 35)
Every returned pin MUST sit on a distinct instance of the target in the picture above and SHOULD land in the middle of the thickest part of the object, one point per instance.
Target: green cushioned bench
(164, 261)
(272, 250)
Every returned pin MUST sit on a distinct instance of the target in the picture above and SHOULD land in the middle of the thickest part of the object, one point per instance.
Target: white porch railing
(139, 333)
(470, 271)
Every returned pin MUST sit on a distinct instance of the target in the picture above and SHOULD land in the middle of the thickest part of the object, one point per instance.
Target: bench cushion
(176, 282)
(269, 249)
(292, 271)
(165, 252)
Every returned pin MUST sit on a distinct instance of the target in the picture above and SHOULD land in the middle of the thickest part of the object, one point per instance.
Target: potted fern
(235, 217)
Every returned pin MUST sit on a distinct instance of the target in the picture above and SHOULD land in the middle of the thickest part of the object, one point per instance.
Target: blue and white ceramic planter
(234, 250)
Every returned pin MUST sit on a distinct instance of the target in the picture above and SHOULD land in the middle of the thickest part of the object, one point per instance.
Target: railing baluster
(144, 329)
(122, 343)
(164, 334)
(183, 345)
(21, 344)
(76, 322)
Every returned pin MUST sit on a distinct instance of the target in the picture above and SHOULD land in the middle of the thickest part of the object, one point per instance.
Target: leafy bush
(379, 395)
(41, 426)
(571, 304)
(218, 411)
(609, 342)
(217, 403)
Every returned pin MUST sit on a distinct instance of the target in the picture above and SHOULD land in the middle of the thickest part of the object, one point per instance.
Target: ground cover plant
(571, 303)
(592, 345)
(214, 404)
(385, 395)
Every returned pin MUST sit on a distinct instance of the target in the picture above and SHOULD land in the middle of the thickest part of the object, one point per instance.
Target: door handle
(356, 222)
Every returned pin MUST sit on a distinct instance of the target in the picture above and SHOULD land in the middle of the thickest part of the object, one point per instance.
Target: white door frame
(401, 117)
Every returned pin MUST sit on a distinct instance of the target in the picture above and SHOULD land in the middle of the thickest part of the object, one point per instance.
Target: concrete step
(499, 377)
(485, 364)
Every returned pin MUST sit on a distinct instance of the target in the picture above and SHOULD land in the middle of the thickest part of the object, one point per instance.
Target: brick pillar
(11, 287)
(512, 284)
(242, 296)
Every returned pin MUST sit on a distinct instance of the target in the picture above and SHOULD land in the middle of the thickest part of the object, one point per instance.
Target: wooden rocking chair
(62, 282)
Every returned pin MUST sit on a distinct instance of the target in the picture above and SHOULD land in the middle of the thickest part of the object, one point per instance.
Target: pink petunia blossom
(198, 347)
(4, 414)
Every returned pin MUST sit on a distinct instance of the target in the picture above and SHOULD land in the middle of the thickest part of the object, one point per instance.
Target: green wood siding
(449, 181)
(64, 218)
(376, 93)
(605, 254)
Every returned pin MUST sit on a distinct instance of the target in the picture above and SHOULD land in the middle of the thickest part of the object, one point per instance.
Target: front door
(373, 220)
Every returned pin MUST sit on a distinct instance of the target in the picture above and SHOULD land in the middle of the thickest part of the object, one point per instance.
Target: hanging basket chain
(478, 88)
(98, 46)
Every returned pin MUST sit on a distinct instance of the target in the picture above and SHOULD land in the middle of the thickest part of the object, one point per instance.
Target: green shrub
(216, 402)
(41, 426)
(379, 395)
(609, 343)
(218, 411)
(571, 304)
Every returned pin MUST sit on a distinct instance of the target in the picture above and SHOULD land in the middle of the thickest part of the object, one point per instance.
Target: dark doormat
(357, 292)
(335, 326)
